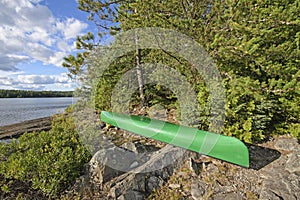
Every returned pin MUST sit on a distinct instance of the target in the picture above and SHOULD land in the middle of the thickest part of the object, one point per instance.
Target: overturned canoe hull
(218, 146)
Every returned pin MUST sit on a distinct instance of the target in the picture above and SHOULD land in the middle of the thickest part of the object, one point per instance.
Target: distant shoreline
(34, 94)
(35, 97)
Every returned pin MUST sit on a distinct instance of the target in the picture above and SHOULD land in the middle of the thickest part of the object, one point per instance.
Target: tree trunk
(139, 72)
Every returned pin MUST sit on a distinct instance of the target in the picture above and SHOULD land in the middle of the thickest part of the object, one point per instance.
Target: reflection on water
(14, 110)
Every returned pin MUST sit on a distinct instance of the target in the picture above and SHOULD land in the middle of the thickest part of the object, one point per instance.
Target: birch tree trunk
(139, 70)
(139, 73)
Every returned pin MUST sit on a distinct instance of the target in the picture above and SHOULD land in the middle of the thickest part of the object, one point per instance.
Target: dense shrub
(50, 161)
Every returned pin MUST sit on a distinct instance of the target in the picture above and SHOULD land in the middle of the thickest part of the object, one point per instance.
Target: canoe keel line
(215, 145)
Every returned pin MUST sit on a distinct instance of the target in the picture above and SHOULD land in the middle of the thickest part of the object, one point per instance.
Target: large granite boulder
(126, 173)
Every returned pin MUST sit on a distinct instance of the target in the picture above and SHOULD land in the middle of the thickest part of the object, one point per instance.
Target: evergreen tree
(256, 46)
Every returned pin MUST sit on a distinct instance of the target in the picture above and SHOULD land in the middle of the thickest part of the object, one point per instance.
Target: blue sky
(35, 35)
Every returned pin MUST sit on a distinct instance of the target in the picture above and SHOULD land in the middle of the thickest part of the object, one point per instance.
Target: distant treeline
(28, 93)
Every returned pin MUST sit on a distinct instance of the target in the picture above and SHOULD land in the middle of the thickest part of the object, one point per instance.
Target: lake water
(14, 110)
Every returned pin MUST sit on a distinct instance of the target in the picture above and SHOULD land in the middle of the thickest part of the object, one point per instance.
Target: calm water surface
(14, 110)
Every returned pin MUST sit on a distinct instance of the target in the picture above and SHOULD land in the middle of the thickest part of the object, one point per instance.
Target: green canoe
(218, 146)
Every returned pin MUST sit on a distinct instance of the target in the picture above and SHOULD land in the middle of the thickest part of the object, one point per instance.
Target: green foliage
(28, 93)
(294, 130)
(5, 188)
(74, 64)
(251, 114)
(102, 13)
(256, 46)
(49, 160)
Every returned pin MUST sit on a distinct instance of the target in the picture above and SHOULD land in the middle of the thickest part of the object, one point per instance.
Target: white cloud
(63, 45)
(42, 79)
(8, 62)
(6, 81)
(34, 79)
(35, 82)
(41, 35)
(37, 1)
(71, 28)
(29, 87)
(57, 58)
(29, 32)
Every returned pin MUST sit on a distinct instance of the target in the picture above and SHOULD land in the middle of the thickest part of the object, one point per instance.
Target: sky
(35, 35)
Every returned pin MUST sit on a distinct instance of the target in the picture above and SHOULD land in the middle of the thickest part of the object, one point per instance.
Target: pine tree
(256, 46)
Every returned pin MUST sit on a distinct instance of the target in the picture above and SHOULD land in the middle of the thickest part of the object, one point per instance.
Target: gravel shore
(16, 130)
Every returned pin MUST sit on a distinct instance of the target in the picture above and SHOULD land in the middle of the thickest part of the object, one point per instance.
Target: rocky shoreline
(16, 130)
(274, 173)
